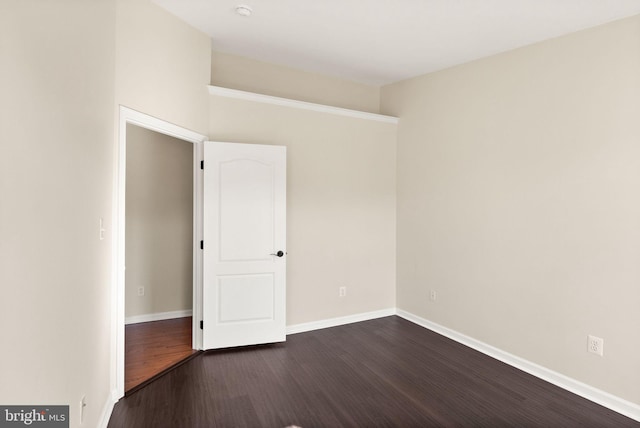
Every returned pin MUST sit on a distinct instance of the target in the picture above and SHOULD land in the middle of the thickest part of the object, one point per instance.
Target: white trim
(127, 115)
(107, 409)
(286, 102)
(603, 398)
(158, 316)
(334, 322)
(154, 124)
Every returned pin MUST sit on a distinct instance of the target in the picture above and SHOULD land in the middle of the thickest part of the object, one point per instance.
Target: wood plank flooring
(152, 347)
(381, 373)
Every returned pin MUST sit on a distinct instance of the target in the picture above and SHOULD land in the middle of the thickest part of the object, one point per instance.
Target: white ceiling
(383, 41)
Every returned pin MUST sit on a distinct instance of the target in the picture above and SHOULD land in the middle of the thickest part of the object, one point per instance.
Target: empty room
(356, 213)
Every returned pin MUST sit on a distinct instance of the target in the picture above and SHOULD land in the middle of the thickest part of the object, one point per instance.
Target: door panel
(244, 228)
(246, 298)
(246, 190)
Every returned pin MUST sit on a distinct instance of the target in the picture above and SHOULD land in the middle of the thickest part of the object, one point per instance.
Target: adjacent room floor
(387, 372)
(153, 347)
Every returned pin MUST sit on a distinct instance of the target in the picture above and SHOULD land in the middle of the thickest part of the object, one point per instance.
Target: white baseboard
(603, 398)
(159, 316)
(107, 409)
(334, 322)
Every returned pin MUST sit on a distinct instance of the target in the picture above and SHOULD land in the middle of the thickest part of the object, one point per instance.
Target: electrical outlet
(83, 404)
(140, 291)
(433, 295)
(342, 291)
(595, 345)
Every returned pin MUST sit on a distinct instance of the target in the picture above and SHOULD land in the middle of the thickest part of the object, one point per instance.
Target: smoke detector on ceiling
(243, 10)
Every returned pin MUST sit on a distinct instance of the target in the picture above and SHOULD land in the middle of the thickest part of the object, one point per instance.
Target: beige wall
(56, 153)
(340, 204)
(235, 72)
(64, 64)
(162, 65)
(518, 202)
(159, 223)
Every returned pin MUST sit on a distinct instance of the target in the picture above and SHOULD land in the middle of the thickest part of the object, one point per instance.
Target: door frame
(130, 116)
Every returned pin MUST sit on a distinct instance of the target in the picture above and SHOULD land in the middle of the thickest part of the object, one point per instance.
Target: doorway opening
(158, 254)
(154, 309)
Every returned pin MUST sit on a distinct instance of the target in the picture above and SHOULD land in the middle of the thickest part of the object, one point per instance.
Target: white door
(244, 255)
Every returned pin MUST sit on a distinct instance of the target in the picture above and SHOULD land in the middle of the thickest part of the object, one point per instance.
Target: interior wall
(64, 68)
(163, 65)
(56, 152)
(159, 223)
(518, 202)
(235, 72)
(340, 203)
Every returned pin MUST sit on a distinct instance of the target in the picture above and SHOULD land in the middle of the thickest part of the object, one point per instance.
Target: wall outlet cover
(595, 345)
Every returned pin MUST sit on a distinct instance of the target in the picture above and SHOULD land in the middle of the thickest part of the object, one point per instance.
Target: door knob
(279, 254)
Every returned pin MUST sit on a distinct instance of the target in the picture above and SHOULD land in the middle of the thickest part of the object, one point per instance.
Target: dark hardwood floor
(382, 373)
(153, 347)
